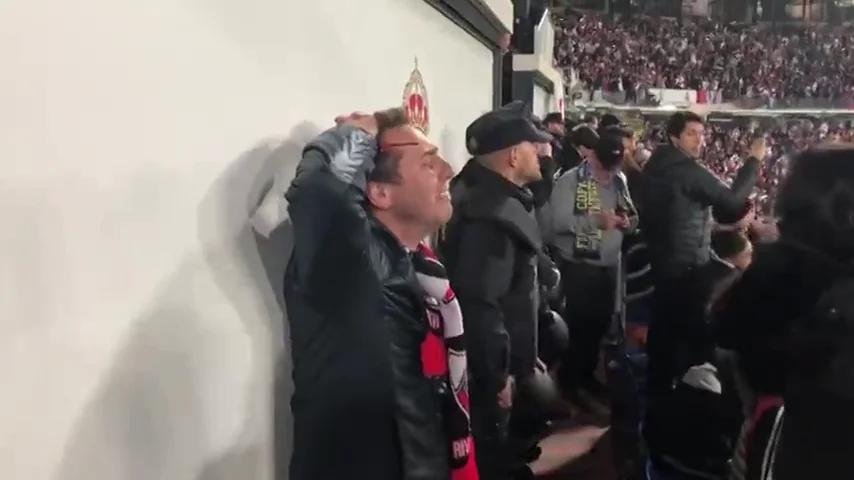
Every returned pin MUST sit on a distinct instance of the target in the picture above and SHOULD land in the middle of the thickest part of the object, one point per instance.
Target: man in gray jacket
(592, 210)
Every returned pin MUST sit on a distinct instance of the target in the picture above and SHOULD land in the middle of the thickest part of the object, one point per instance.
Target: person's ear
(514, 156)
(379, 195)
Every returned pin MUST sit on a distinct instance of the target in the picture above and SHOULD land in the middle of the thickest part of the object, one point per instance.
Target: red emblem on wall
(415, 100)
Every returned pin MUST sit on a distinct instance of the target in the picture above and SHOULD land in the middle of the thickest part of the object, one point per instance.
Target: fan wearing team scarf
(373, 381)
(443, 356)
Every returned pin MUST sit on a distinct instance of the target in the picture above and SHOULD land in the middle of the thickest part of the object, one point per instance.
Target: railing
(653, 97)
(638, 249)
(646, 97)
(767, 102)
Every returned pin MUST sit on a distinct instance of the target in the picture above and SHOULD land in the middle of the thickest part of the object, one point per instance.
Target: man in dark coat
(679, 198)
(365, 194)
(491, 248)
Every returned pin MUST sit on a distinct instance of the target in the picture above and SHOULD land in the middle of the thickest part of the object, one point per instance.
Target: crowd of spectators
(786, 64)
(726, 145)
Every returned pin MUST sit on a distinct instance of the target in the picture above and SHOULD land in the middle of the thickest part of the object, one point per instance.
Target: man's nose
(446, 170)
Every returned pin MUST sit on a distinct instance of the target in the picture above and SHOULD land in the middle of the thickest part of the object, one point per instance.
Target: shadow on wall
(163, 410)
(448, 145)
(147, 419)
(265, 171)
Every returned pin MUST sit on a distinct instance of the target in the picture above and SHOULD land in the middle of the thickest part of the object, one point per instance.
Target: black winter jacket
(362, 407)
(679, 198)
(567, 159)
(786, 346)
(491, 248)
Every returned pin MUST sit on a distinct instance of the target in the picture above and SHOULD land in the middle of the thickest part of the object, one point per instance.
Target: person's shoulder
(482, 236)
(385, 254)
(568, 175)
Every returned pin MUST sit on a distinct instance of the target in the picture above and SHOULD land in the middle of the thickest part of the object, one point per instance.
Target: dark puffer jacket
(362, 407)
(679, 198)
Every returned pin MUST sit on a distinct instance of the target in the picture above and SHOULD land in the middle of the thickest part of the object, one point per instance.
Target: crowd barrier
(684, 97)
(766, 102)
(648, 96)
(626, 365)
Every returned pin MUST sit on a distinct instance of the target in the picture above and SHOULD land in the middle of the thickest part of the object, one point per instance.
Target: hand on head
(365, 121)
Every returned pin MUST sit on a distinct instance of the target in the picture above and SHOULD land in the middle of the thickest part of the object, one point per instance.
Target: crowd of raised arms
(792, 64)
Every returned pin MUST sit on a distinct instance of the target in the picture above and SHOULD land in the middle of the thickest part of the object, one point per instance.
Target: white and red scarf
(443, 356)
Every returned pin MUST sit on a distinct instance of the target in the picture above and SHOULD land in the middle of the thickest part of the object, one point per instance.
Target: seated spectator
(691, 429)
(732, 254)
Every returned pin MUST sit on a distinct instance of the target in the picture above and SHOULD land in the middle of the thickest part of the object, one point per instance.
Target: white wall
(503, 10)
(542, 61)
(138, 328)
(542, 104)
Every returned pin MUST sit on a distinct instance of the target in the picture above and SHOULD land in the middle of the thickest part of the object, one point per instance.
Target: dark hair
(816, 201)
(609, 149)
(387, 163)
(589, 118)
(554, 117)
(616, 130)
(728, 243)
(583, 136)
(678, 121)
(608, 120)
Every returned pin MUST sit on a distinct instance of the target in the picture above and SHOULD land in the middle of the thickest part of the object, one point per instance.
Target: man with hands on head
(367, 404)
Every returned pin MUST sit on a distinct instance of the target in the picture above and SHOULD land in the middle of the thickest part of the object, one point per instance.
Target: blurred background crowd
(788, 66)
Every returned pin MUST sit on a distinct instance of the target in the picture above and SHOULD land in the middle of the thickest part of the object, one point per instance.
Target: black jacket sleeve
(727, 203)
(324, 206)
(422, 439)
(336, 253)
(483, 275)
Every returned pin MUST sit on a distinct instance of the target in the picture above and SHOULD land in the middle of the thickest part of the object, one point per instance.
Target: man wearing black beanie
(578, 144)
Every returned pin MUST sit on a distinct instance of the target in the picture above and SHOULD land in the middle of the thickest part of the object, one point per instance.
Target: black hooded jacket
(491, 248)
(773, 320)
(568, 158)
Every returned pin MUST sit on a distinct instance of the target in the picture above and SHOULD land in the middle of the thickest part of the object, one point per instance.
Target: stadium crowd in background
(789, 66)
